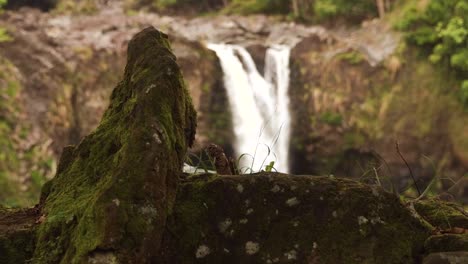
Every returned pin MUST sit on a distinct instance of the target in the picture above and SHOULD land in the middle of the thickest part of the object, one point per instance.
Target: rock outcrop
(113, 192)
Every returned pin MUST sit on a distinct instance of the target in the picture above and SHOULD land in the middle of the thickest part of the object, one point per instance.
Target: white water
(259, 104)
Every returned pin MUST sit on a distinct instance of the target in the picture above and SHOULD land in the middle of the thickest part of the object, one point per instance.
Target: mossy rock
(443, 215)
(17, 234)
(446, 243)
(112, 192)
(277, 218)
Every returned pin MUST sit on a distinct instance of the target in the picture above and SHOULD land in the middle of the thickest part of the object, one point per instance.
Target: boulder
(279, 218)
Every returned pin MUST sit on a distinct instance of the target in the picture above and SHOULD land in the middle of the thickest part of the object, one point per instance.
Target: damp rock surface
(320, 220)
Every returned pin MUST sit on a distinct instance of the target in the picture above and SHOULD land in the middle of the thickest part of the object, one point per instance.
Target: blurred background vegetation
(435, 44)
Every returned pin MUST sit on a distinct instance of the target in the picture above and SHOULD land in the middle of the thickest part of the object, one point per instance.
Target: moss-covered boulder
(277, 218)
(112, 192)
(451, 230)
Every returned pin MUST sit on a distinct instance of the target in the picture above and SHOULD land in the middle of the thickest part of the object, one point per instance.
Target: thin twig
(407, 165)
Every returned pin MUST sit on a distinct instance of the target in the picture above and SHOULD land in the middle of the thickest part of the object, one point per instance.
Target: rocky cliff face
(359, 103)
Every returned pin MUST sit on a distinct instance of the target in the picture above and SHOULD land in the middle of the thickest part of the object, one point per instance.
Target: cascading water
(260, 105)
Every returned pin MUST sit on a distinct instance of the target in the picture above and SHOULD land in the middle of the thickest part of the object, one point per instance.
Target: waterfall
(259, 104)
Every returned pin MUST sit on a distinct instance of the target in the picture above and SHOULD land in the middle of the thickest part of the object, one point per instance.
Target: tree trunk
(381, 8)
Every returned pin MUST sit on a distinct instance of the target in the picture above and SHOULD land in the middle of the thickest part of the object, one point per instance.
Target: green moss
(352, 57)
(331, 118)
(76, 7)
(443, 215)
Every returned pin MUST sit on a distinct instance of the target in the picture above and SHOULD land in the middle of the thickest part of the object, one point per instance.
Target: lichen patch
(251, 248)
(292, 202)
(223, 226)
(362, 220)
(202, 251)
(291, 255)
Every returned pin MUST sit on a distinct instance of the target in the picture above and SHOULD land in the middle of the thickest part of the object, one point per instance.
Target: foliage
(308, 10)
(303, 10)
(327, 9)
(4, 37)
(331, 118)
(3, 34)
(260, 6)
(187, 6)
(441, 30)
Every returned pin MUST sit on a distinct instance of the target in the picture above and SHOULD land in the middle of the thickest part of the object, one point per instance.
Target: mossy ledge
(118, 196)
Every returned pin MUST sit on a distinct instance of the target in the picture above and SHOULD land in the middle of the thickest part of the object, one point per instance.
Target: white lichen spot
(116, 201)
(249, 211)
(295, 223)
(244, 221)
(224, 225)
(314, 245)
(156, 138)
(376, 220)
(312, 183)
(275, 260)
(202, 251)
(335, 214)
(307, 191)
(321, 198)
(275, 189)
(251, 248)
(292, 202)
(149, 211)
(226, 250)
(291, 255)
(296, 246)
(240, 188)
(148, 89)
(331, 176)
(276, 212)
(362, 220)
